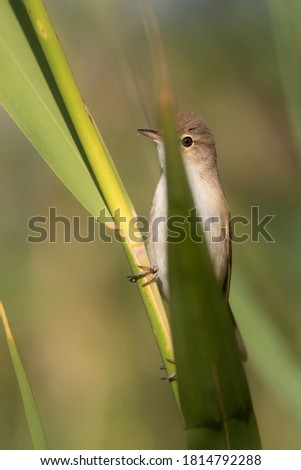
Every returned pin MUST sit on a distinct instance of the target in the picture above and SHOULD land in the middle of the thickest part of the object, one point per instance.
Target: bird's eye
(187, 141)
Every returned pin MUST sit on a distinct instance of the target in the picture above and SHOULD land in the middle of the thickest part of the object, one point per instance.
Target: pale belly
(213, 222)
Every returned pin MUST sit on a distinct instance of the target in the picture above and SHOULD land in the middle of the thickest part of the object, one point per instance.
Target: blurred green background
(80, 326)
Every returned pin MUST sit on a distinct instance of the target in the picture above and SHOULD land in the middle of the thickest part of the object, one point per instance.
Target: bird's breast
(212, 209)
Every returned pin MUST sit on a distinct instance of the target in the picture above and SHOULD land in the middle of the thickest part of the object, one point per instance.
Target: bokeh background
(80, 327)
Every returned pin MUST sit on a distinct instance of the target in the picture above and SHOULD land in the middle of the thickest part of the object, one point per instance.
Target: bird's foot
(146, 270)
(170, 377)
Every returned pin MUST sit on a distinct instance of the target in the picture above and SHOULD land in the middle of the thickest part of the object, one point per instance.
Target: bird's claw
(170, 377)
(146, 270)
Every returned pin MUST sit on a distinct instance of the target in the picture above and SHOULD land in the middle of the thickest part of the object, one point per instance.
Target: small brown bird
(200, 162)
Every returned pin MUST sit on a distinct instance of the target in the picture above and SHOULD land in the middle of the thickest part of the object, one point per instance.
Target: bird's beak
(151, 133)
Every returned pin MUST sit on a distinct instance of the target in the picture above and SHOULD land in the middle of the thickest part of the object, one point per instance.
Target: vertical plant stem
(33, 419)
(111, 187)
